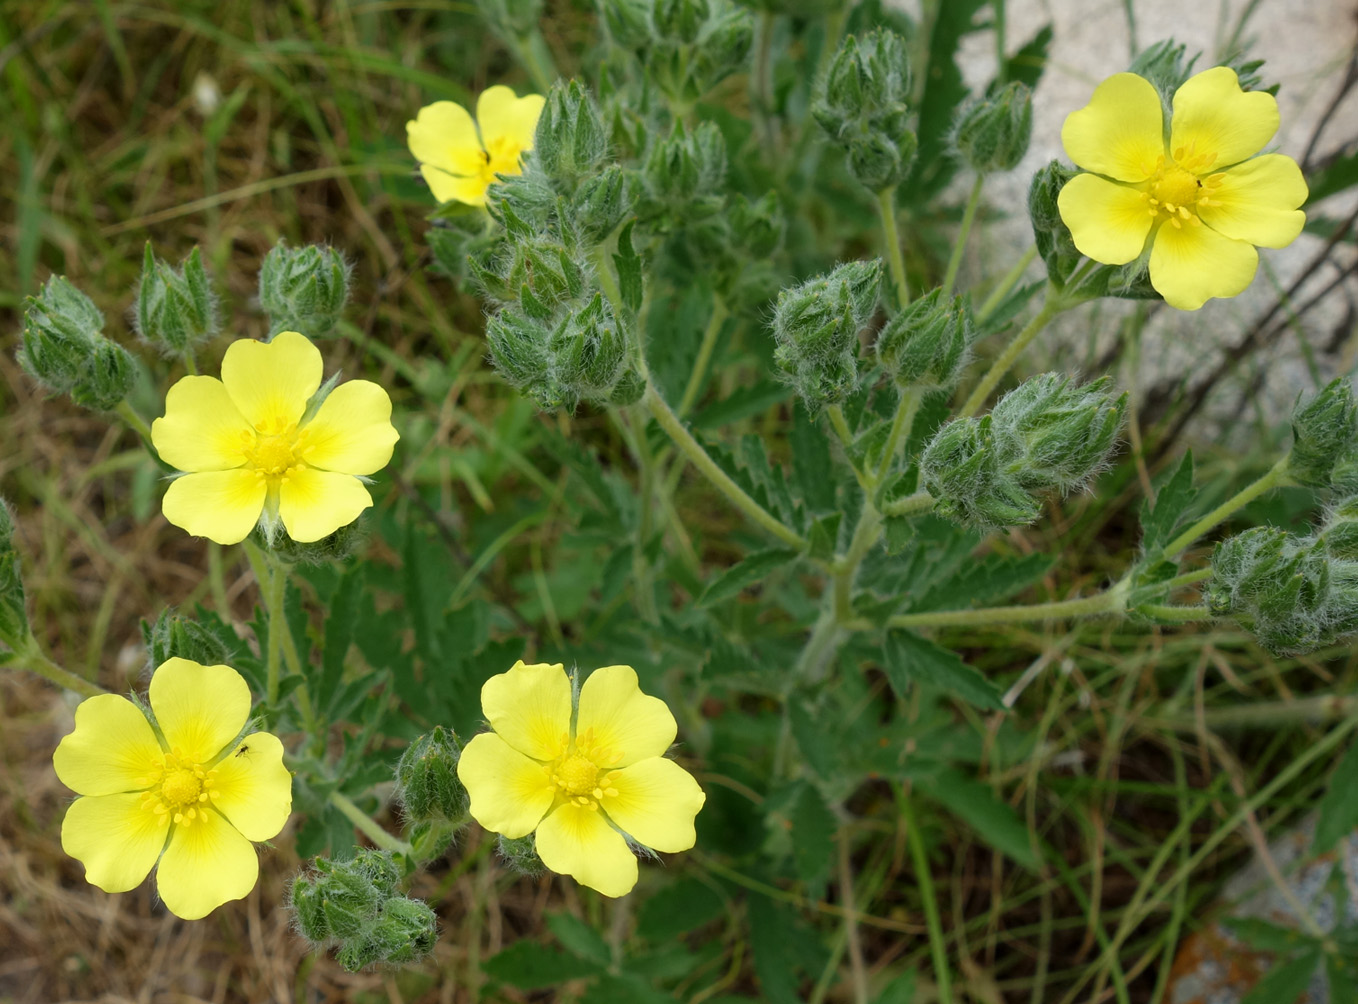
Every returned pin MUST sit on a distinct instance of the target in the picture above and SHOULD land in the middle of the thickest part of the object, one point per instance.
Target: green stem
(1188, 579)
(968, 217)
(189, 363)
(640, 570)
(137, 423)
(846, 894)
(30, 656)
(921, 501)
(695, 379)
(697, 456)
(1175, 613)
(1051, 306)
(1111, 600)
(837, 422)
(368, 826)
(924, 878)
(761, 84)
(274, 593)
(1008, 282)
(1274, 477)
(886, 206)
(1266, 714)
(906, 408)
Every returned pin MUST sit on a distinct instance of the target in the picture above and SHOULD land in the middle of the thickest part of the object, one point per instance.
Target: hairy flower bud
(1339, 533)
(680, 20)
(963, 469)
(13, 610)
(862, 107)
(65, 350)
(816, 328)
(521, 854)
(684, 173)
(176, 636)
(628, 21)
(427, 785)
(600, 203)
(303, 289)
(927, 344)
(992, 132)
(106, 378)
(1050, 233)
(1324, 430)
(571, 142)
(175, 309)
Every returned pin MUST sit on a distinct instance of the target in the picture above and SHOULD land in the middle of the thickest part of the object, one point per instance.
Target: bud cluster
(1325, 438)
(1047, 435)
(427, 784)
(13, 613)
(863, 108)
(992, 132)
(687, 46)
(736, 248)
(521, 854)
(175, 309)
(357, 906)
(303, 289)
(64, 348)
(1295, 593)
(175, 636)
(684, 175)
(816, 328)
(928, 343)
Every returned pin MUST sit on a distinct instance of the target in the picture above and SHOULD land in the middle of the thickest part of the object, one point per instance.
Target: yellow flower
(189, 792)
(588, 788)
(456, 163)
(256, 453)
(1200, 201)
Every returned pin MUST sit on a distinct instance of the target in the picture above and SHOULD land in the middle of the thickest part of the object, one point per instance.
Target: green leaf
(1286, 981)
(529, 965)
(800, 823)
(1264, 936)
(677, 909)
(755, 568)
(630, 282)
(813, 739)
(579, 938)
(813, 467)
(1027, 64)
(983, 581)
(624, 989)
(1174, 498)
(1343, 981)
(1338, 806)
(993, 821)
(743, 402)
(908, 657)
(341, 615)
(1337, 176)
(782, 947)
(901, 990)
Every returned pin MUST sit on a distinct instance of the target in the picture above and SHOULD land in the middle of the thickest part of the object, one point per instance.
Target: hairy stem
(901, 424)
(886, 206)
(134, 421)
(366, 825)
(30, 656)
(1273, 478)
(1052, 306)
(695, 379)
(959, 248)
(1008, 282)
(1111, 600)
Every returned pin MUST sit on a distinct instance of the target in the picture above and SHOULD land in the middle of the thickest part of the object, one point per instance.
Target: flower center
(274, 448)
(1175, 191)
(577, 775)
(179, 790)
(582, 772)
(502, 157)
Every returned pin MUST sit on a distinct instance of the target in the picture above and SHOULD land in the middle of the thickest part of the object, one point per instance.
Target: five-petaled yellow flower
(1200, 201)
(584, 788)
(189, 792)
(456, 163)
(257, 453)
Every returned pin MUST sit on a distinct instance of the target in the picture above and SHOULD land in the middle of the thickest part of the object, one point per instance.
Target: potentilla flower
(457, 163)
(1200, 202)
(258, 450)
(585, 788)
(188, 792)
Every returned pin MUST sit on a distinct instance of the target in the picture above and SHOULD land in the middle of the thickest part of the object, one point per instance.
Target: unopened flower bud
(816, 327)
(685, 172)
(571, 141)
(106, 378)
(63, 332)
(963, 469)
(303, 289)
(628, 21)
(628, 390)
(863, 108)
(600, 203)
(1324, 430)
(426, 778)
(518, 347)
(175, 309)
(680, 20)
(13, 610)
(1050, 233)
(1339, 533)
(721, 47)
(521, 854)
(1058, 435)
(992, 132)
(927, 344)
(176, 636)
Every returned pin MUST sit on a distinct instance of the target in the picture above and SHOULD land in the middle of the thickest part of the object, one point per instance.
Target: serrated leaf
(781, 947)
(743, 402)
(530, 965)
(1264, 936)
(755, 568)
(1286, 981)
(1337, 176)
(677, 909)
(630, 281)
(908, 657)
(579, 938)
(341, 616)
(1338, 806)
(983, 581)
(812, 464)
(624, 988)
(993, 821)
(1027, 64)
(1175, 497)
(813, 739)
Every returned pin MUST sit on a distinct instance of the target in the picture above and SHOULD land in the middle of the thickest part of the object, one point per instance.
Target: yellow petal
(254, 789)
(111, 750)
(206, 864)
(577, 841)
(115, 838)
(221, 505)
(202, 429)
(1190, 265)
(509, 792)
(443, 135)
(655, 804)
(1257, 202)
(530, 708)
(351, 433)
(1213, 117)
(314, 504)
(199, 708)
(1108, 222)
(505, 118)
(271, 382)
(1120, 133)
(622, 718)
(455, 188)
